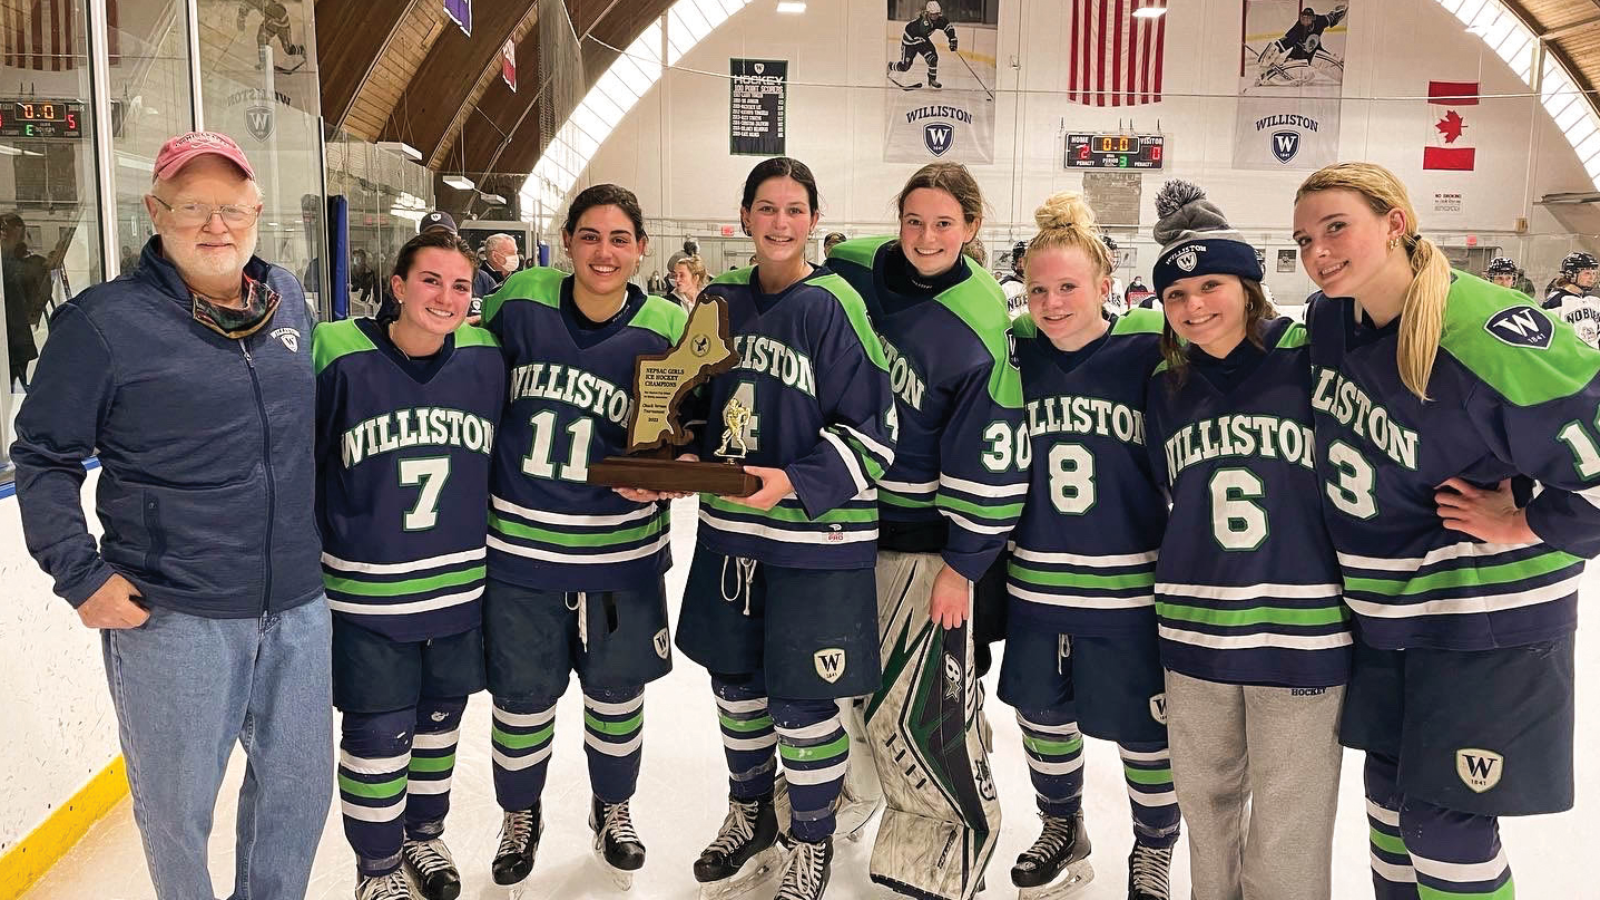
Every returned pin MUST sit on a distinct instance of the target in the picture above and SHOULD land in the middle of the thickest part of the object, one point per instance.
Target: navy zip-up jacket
(207, 486)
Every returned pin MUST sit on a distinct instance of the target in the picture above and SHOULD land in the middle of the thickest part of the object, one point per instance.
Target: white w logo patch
(1522, 326)
(1479, 769)
(829, 663)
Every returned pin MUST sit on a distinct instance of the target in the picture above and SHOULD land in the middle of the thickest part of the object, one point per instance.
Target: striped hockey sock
(433, 762)
(1054, 748)
(613, 739)
(1393, 877)
(1457, 855)
(815, 753)
(521, 744)
(374, 754)
(1148, 770)
(748, 738)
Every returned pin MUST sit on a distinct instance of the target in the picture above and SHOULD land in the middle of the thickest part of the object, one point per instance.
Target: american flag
(40, 34)
(1115, 58)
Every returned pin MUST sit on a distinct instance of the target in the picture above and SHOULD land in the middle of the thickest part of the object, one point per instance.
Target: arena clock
(1116, 151)
(32, 117)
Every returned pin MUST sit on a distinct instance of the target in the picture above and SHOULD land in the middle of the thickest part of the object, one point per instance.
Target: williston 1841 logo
(830, 664)
(938, 137)
(1479, 769)
(1522, 326)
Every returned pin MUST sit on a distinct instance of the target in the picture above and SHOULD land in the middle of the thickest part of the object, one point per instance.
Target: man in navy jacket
(190, 378)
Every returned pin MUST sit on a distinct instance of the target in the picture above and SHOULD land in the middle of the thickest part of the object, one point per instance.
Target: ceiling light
(459, 182)
(1150, 12)
(402, 148)
(496, 199)
(793, 7)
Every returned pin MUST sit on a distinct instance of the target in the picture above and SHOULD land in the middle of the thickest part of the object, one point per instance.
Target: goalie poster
(940, 95)
(1291, 75)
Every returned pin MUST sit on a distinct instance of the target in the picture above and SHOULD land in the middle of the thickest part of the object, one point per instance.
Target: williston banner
(941, 75)
(1291, 73)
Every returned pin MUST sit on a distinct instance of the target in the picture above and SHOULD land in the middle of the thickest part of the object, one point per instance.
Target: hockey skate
(1057, 865)
(616, 844)
(936, 85)
(744, 856)
(519, 844)
(432, 868)
(806, 871)
(1148, 868)
(392, 886)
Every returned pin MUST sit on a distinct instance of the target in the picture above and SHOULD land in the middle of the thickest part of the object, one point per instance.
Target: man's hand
(115, 605)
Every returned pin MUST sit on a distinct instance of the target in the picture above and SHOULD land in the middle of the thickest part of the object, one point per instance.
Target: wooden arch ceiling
(1570, 30)
(399, 70)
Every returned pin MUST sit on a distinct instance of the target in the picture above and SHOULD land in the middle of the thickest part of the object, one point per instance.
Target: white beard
(210, 265)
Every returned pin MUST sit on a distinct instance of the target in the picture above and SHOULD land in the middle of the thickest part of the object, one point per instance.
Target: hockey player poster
(941, 71)
(1291, 74)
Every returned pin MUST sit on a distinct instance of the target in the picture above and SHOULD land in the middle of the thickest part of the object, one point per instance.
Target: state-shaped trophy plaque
(661, 383)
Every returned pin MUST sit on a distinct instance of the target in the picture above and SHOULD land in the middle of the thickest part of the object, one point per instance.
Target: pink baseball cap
(179, 151)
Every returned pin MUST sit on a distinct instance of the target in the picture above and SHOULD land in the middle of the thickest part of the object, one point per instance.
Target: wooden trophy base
(722, 479)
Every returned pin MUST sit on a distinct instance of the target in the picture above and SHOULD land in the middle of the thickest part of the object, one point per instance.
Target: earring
(1394, 243)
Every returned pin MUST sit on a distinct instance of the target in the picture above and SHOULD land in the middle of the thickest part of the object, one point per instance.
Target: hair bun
(1176, 194)
(1064, 209)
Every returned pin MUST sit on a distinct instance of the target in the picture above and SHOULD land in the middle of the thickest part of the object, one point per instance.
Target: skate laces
(804, 875)
(1057, 834)
(737, 828)
(516, 831)
(392, 886)
(744, 577)
(619, 823)
(1148, 869)
(428, 857)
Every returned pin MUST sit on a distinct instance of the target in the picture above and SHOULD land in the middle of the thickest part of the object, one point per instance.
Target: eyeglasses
(194, 215)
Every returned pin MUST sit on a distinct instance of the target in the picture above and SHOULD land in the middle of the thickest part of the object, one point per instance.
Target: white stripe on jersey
(908, 487)
(1462, 550)
(969, 525)
(1249, 592)
(851, 463)
(1460, 605)
(402, 609)
(545, 517)
(1077, 559)
(887, 453)
(755, 529)
(1080, 602)
(983, 490)
(416, 565)
(579, 558)
(1257, 640)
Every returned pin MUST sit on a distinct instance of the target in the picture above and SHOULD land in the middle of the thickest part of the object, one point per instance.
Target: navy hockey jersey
(1511, 392)
(403, 455)
(814, 378)
(920, 31)
(1083, 557)
(958, 405)
(1247, 586)
(568, 403)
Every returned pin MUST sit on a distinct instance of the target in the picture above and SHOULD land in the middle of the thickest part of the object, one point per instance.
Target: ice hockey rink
(682, 798)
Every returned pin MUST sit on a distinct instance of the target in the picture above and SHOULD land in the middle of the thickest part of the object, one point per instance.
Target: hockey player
(780, 605)
(1502, 271)
(1116, 300)
(1304, 37)
(1014, 282)
(1253, 635)
(947, 505)
(407, 410)
(918, 41)
(1572, 297)
(1081, 653)
(1465, 605)
(575, 571)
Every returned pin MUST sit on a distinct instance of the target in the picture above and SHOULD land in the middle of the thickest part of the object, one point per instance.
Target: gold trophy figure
(736, 417)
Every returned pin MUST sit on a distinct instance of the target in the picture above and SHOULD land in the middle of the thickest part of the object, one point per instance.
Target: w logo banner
(1291, 77)
(1480, 770)
(1285, 145)
(938, 137)
(1522, 326)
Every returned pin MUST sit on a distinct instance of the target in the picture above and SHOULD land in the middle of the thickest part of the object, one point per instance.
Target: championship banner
(941, 74)
(1291, 75)
(758, 96)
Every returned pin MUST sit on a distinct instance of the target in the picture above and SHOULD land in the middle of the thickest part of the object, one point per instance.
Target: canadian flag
(1451, 105)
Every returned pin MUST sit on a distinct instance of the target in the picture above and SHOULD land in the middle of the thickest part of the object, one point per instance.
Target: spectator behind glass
(27, 287)
(689, 278)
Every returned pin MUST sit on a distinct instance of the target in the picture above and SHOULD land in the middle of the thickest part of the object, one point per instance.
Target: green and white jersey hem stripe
(591, 559)
(1257, 640)
(402, 609)
(1114, 561)
(786, 535)
(1409, 565)
(554, 518)
(1081, 601)
(1466, 605)
(416, 565)
(1250, 592)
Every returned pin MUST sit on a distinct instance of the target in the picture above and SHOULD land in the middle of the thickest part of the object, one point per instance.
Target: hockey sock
(815, 752)
(747, 736)
(1054, 748)
(613, 739)
(374, 751)
(1457, 855)
(520, 743)
(433, 762)
(1147, 767)
(1393, 877)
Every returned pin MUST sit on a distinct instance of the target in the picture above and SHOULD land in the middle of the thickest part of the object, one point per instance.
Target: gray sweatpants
(1257, 775)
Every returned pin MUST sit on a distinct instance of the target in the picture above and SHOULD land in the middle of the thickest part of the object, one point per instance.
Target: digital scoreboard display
(41, 118)
(1116, 151)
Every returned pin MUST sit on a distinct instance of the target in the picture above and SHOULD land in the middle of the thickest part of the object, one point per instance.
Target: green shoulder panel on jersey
(1023, 326)
(541, 285)
(1139, 321)
(737, 276)
(855, 309)
(331, 340)
(662, 317)
(1292, 337)
(979, 302)
(1526, 375)
(860, 251)
(473, 336)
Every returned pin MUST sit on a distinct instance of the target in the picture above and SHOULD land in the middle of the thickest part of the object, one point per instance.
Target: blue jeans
(185, 689)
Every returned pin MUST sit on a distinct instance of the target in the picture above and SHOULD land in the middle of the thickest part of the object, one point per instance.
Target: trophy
(661, 383)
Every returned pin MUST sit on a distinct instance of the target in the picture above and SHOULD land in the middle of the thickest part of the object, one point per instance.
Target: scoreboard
(1116, 151)
(41, 118)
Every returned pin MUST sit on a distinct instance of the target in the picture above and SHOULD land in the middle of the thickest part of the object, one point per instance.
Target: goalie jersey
(1083, 558)
(1511, 392)
(568, 404)
(1247, 587)
(958, 405)
(403, 453)
(813, 377)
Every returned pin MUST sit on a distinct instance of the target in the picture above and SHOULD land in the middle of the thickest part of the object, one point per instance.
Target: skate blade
(1068, 884)
(756, 872)
(852, 820)
(620, 879)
